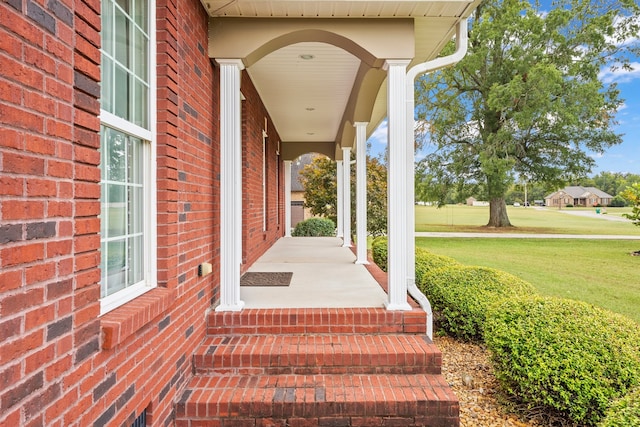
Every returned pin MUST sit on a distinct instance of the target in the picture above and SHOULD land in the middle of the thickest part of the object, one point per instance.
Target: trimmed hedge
(315, 227)
(460, 295)
(624, 412)
(426, 262)
(379, 252)
(564, 355)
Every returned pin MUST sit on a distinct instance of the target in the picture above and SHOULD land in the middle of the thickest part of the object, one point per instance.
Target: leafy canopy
(320, 192)
(527, 99)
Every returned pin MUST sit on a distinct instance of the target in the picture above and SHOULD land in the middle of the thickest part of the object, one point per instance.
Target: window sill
(124, 321)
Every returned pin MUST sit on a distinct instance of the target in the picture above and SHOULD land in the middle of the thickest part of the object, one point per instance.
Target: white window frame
(149, 137)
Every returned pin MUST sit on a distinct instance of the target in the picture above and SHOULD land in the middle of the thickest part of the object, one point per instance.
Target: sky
(624, 158)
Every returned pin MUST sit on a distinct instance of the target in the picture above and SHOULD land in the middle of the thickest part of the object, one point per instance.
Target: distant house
(578, 196)
(470, 201)
(298, 211)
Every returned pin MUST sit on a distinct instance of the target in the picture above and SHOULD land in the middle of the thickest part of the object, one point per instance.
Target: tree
(320, 192)
(632, 194)
(526, 101)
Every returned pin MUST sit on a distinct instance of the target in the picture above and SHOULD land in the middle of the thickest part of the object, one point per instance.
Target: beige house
(578, 196)
(298, 211)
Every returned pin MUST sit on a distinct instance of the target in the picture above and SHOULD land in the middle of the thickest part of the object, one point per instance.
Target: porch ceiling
(316, 100)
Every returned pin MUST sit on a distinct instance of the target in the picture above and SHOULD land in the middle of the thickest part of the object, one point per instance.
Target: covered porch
(325, 275)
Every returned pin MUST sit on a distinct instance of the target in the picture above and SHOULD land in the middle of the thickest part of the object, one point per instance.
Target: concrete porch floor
(324, 276)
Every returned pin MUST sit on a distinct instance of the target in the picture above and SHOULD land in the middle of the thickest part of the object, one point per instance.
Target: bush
(624, 412)
(568, 205)
(461, 295)
(563, 355)
(379, 252)
(315, 227)
(618, 202)
(426, 262)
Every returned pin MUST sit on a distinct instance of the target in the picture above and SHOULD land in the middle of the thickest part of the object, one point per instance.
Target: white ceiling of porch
(307, 98)
(309, 95)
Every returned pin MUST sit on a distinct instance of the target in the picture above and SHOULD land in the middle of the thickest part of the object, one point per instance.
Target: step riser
(314, 397)
(420, 421)
(316, 321)
(319, 370)
(317, 354)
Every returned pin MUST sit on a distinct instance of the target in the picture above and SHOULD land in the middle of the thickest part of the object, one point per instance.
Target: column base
(397, 307)
(229, 307)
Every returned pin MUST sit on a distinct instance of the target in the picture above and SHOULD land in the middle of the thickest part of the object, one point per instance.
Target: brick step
(316, 321)
(317, 354)
(317, 400)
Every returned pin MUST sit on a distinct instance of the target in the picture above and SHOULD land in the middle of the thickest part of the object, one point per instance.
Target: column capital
(231, 61)
(395, 62)
(359, 124)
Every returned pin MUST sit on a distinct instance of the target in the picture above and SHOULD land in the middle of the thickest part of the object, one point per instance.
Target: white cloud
(619, 75)
(379, 136)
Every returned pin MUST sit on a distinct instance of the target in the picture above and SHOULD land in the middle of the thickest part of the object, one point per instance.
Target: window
(127, 179)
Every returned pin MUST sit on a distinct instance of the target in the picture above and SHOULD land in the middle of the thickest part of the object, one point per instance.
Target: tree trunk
(498, 213)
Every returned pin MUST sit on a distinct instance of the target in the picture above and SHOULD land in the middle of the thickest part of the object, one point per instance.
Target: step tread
(377, 353)
(317, 395)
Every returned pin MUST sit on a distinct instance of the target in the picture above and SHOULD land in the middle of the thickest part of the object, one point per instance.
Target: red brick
(10, 279)
(22, 254)
(22, 164)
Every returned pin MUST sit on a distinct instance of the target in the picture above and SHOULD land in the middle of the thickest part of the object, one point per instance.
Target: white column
(410, 191)
(230, 185)
(397, 186)
(287, 198)
(346, 196)
(361, 192)
(339, 198)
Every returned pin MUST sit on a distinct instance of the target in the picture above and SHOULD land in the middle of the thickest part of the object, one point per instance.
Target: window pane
(107, 27)
(103, 268)
(122, 93)
(141, 14)
(116, 210)
(116, 160)
(136, 263)
(106, 85)
(124, 4)
(122, 38)
(141, 59)
(116, 266)
(140, 104)
(135, 210)
(134, 160)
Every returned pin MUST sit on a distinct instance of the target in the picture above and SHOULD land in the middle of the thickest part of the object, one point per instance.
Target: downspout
(412, 74)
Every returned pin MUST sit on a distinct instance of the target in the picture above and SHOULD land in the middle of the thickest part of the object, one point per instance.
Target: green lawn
(525, 220)
(600, 272)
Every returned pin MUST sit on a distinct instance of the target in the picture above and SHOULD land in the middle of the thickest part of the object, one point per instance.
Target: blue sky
(624, 157)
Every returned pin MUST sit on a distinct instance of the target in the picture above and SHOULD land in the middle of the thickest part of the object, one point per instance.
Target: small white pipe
(419, 69)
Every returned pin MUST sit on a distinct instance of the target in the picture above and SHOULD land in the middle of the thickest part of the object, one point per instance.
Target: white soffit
(309, 95)
(332, 8)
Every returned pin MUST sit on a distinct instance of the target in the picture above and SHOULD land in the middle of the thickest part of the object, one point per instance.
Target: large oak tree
(527, 101)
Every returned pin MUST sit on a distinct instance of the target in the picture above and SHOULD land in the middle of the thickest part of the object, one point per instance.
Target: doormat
(266, 279)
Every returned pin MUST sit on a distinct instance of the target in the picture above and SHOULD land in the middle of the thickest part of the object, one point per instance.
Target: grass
(525, 220)
(600, 272)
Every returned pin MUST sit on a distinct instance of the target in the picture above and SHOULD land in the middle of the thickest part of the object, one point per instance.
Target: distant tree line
(613, 183)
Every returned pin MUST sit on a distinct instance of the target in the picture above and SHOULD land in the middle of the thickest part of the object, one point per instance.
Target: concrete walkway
(526, 236)
(324, 276)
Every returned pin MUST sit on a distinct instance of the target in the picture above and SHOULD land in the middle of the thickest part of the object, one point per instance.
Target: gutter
(415, 71)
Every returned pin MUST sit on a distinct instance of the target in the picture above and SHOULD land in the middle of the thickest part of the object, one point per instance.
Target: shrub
(426, 262)
(315, 227)
(563, 355)
(618, 202)
(624, 412)
(379, 252)
(461, 295)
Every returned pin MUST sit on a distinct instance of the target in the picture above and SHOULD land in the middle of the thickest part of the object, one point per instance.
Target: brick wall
(61, 364)
(255, 239)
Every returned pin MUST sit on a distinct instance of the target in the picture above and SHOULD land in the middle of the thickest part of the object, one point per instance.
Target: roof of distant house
(296, 168)
(578, 192)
